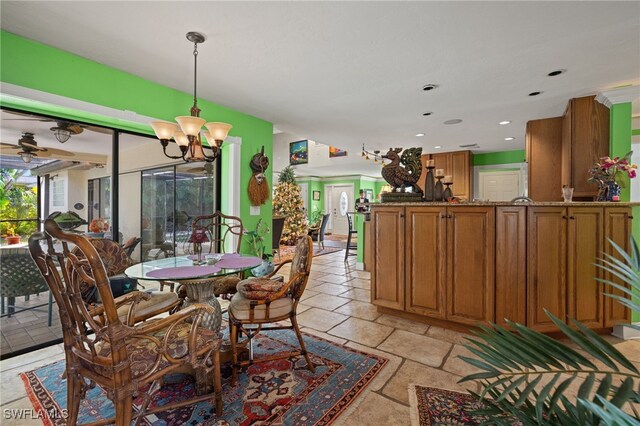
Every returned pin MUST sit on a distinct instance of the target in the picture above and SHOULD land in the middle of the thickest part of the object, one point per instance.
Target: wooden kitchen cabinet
(387, 277)
(425, 273)
(470, 264)
(544, 157)
(585, 243)
(458, 165)
(547, 265)
(511, 258)
(617, 227)
(585, 139)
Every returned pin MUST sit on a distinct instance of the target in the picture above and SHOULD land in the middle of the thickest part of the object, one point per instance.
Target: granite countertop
(508, 203)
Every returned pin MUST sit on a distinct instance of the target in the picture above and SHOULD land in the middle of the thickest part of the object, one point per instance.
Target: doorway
(338, 201)
(304, 193)
(499, 185)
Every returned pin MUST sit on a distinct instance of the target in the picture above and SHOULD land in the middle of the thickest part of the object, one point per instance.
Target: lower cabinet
(475, 264)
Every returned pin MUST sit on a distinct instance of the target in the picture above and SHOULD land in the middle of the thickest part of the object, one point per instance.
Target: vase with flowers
(610, 175)
(98, 227)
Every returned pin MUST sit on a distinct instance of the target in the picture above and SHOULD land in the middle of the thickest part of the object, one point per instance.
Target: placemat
(235, 261)
(183, 272)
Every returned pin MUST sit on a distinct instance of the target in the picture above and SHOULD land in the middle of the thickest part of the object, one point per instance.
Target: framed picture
(368, 194)
(316, 195)
(336, 152)
(299, 152)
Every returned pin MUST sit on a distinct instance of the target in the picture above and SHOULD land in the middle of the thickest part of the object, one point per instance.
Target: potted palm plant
(11, 236)
(527, 377)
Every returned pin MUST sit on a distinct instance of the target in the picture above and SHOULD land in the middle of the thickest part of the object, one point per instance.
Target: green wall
(37, 66)
(502, 157)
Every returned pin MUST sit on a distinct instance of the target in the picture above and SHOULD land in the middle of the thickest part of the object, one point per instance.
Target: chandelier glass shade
(188, 133)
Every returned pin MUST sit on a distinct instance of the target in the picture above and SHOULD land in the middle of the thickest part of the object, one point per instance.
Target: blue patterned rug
(282, 392)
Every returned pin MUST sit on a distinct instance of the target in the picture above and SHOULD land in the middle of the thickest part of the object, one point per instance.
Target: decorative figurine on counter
(429, 182)
(403, 171)
(258, 186)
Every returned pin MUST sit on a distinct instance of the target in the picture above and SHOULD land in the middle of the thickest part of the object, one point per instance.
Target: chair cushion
(239, 308)
(258, 288)
(226, 284)
(143, 353)
(158, 300)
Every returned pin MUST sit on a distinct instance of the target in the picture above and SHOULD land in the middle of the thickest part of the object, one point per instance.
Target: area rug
(281, 392)
(435, 406)
(286, 252)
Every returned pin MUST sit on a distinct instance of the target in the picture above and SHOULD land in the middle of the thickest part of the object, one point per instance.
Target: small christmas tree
(287, 202)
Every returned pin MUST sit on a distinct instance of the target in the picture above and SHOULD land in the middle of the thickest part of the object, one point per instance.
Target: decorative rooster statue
(403, 171)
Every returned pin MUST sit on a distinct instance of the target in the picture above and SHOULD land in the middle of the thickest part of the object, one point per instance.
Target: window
(58, 196)
(99, 198)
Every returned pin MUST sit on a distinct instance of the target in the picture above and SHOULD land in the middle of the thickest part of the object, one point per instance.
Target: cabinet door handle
(401, 215)
(572, 217)
(630, 217)
(564, 217)
(450, 216)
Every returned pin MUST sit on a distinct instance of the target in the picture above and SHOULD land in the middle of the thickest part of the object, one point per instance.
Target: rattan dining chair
(127, 361)
(250, 311)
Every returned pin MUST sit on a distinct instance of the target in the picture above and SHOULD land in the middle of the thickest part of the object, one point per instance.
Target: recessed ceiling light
(426, 113)
(535, 93)
(419, 135)
(453, 121)
(510, 138)
(437, 147)
(502, 123)
(429, 86)
(556, 72)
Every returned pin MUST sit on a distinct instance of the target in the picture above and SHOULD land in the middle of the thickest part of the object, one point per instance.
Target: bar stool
(351, 245)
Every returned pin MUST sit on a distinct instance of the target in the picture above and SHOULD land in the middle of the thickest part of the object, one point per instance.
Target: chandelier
(376, 155)
(188, 133)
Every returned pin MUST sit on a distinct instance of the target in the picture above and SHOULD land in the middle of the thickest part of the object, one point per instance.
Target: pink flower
(632, 173)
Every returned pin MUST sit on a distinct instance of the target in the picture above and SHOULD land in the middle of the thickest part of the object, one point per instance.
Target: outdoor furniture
(19, 276)
(252, 308)
(352, 247)
(124, 360)
(277, 226)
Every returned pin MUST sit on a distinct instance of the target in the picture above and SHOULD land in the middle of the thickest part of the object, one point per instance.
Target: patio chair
(317, 234)
(124, 360)
(19, 276)
(262, 301)
(352, 246)
(277, 226)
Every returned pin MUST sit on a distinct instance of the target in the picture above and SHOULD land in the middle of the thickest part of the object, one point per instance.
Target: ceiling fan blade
(28, 119)
(75, 129)
(58, 153)
(196, 169)
(8, 146)
(98, 129)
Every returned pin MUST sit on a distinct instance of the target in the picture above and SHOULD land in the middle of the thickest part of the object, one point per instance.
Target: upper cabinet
(544, 155)
(561, 150)
(455, 164)
(585, 139)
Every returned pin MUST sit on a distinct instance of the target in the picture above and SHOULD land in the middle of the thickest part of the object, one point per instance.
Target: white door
(304, 192)
(499, 186)
(339, 199)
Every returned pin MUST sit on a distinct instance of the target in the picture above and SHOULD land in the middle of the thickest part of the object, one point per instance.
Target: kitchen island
(461, 265)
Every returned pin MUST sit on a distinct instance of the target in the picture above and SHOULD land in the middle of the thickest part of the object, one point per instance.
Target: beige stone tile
(360, 274)
(55, 351)
(302, 307)
(359, 283)
(11, 386)
(403, 324)
(455, 365)
(372, 408)
(308, 293)
(413, 372)
(325, 301)
(323, 335)
(416, 347)
(447, 335)
(629, 348)
(15, 407)
(319, 319)
(388, 371)
(333, 279)
(358, 309)
(361, 331)
(333, 289)
(358, 294)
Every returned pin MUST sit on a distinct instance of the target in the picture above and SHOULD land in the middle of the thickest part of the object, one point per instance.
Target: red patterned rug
(435, 406)
(282, 392)
(286, 252)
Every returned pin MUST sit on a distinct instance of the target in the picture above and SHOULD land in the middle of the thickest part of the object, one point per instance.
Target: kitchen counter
(508, 203)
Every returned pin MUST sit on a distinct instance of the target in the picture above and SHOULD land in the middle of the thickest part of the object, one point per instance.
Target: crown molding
(618, 95)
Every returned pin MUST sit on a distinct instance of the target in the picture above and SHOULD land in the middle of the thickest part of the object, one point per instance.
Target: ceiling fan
(63, 129)
(207, 169)
(28, 148)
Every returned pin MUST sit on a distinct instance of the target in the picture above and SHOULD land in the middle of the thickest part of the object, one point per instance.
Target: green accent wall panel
(501, 157)
(37, 66)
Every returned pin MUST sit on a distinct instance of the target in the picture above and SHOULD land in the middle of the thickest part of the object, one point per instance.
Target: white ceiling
(344, 73)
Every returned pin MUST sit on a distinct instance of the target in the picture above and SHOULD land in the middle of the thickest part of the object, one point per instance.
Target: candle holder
(429, 184)
(438, 191)
(447, 192)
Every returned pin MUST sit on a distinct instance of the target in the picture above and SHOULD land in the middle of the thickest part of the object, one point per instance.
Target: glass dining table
(198, 279)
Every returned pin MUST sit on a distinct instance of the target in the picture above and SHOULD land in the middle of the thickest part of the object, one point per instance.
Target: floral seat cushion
(259, 288)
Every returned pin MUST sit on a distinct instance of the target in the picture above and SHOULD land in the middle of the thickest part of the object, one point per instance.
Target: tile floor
(336, 306)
